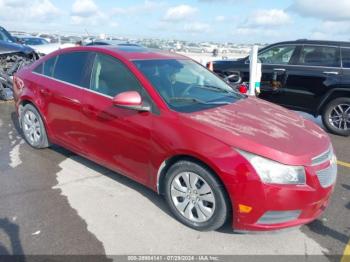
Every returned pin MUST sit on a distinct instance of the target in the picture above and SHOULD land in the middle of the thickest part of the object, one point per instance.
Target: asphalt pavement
(53, 202)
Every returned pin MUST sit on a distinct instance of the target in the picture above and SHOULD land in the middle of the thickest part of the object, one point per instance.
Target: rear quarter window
(39, 69)
(49, 66)
(46, 67)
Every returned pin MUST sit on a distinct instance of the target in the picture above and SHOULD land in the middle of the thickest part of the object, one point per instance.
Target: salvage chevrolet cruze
(169, 123)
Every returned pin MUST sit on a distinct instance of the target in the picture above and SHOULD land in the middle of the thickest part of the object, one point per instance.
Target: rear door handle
(331, 73)
(279, 69)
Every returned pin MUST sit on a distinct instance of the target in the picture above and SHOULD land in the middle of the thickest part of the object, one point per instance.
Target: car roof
(316, 42)
(134, 52)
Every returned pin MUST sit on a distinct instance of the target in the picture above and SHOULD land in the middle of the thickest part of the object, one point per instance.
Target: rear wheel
(33, 127)
(195, 196)
(336, 116)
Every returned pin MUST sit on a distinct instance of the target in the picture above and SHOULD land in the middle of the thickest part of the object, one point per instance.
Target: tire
(33, 128)
(201, 210)
(336, 116)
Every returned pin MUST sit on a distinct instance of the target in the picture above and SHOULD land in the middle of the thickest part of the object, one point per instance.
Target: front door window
(278, 55)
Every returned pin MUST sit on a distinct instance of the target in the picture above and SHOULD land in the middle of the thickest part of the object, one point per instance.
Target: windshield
(187, 86)
(5, 36)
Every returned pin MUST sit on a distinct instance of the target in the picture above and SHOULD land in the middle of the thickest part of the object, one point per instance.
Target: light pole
(254, 72)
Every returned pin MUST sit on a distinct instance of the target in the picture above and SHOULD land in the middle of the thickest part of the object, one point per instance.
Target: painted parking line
(346, 255)
(341, 163)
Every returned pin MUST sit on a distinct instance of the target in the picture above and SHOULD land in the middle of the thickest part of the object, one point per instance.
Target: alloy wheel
(339, 116)
(31, 127)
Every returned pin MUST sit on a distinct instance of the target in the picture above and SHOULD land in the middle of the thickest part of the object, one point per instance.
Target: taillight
(18, 84)
(210, 66)
(243, 89)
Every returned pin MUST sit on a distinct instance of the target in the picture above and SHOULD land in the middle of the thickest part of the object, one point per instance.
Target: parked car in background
(171, 48)
(208, 48)
(101, 42)
(13, 56)
(97, 42)
(45, 49)
(69, 39)
(9, 46)
(51, 38)
(167, 122)
(31, 40)
(305, 75)
(193, 48)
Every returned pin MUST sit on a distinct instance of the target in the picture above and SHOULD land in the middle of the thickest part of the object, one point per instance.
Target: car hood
(262, 128)
(228, 64)
(8, 47)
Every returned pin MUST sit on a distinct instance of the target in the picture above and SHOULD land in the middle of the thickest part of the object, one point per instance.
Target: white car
(208, 48)
(48, 48)
(40, 45)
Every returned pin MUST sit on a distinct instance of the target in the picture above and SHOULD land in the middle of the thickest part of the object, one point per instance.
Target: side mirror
(130, 100)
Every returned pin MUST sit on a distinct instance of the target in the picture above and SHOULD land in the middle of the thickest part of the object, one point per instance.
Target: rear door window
(326, 56)
(74, 68)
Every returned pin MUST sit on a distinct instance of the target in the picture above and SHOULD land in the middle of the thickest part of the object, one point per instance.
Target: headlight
(273, 172)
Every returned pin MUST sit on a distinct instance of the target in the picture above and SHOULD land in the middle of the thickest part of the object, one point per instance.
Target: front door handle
(279, 69)
(331, 73)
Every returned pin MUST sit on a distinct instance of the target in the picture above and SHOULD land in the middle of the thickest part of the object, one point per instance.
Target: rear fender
(329, 96)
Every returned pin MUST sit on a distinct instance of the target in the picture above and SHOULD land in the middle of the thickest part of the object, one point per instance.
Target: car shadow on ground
(15, 123)
(12, 231)
(152, 196)
(348, 188)
(320, 228)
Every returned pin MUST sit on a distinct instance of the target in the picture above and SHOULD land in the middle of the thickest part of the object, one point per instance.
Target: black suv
(305, 75)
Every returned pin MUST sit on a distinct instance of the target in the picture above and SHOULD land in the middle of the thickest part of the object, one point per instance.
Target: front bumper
(275, 207)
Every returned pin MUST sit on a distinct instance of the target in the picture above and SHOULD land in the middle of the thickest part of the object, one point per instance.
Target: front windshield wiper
(196, 100)
(217, 89)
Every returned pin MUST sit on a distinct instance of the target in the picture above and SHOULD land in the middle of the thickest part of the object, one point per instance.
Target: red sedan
(172, 125)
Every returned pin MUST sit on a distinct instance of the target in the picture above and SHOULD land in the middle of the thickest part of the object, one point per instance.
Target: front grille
(326, 156)
(327, 176)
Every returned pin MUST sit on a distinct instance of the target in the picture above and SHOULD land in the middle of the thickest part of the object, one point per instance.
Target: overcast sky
(241, 21)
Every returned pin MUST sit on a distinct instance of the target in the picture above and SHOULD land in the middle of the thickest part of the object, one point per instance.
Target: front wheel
(195, 196)
(336, 116)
